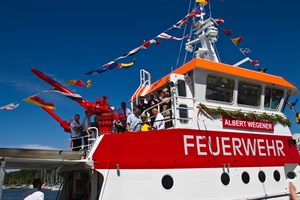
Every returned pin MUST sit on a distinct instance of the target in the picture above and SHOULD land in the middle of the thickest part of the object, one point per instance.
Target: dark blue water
(15, 194)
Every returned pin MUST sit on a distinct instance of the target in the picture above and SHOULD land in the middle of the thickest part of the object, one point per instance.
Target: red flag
(219, 21)
(255, 63)
(227, 32)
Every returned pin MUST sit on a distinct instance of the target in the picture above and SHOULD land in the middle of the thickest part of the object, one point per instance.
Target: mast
(206, 34)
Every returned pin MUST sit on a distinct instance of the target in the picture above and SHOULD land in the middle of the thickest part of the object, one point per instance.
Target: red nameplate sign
(247, 124)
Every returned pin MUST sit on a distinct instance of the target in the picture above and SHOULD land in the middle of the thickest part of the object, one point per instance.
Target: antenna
(206, 34)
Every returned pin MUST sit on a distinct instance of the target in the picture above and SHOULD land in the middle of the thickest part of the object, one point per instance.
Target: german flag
(37, 101)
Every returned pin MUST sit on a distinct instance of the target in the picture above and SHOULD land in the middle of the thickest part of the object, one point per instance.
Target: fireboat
(228, 139)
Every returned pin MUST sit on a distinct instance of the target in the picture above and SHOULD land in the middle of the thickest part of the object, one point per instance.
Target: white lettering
(225, 146)
(215, 153)
(227, 122)
(199, 146)
(260, 147)
(186, 144)
(280, 146)
(249, 147)
(236, 145)
(270, 147)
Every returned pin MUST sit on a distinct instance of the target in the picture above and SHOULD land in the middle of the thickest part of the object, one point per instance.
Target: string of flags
(36, 100)
(236, 41)
(145, 45)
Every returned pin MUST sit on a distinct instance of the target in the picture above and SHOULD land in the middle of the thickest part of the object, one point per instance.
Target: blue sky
(65, 39)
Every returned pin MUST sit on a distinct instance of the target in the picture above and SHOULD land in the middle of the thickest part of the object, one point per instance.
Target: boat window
(273, 98)
(225, 178)
(276, 175)
(183, 113)
(167, 182)
(219, 88)
(262, 176)
(249, 94)
(181, 88)
(245, 177)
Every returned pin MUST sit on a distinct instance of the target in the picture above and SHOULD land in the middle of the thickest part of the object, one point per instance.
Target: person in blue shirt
(76, 129)
(134, 121)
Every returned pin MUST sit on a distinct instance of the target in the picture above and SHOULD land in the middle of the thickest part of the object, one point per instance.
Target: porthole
(291, 175)
(225, 178)
(262, 176)
(276, 175)
(245, 177)
(167, 182)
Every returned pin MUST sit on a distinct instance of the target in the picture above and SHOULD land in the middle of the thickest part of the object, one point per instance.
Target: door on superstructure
(183, 102)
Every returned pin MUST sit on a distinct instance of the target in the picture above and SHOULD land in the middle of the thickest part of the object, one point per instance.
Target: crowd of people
(149, 114)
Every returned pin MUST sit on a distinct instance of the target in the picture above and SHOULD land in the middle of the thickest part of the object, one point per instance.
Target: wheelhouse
(216, 85)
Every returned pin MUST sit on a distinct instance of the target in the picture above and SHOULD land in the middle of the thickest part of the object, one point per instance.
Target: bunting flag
(152, 41)
(195, 13)
(263, 70)
(89, 83)
(180, 23)
(126, 65)
(219, 21)
(10, 106)
(202, 1)
(297, 118)
(245, 50)
(37, 101)
(78, 83)
(255, 63)
(237, 40)
(109, 66)
(72, 96)
(227, 32)
(167, 36)
(145, 45)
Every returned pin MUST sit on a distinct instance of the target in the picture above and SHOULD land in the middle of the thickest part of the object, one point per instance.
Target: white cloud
(36, 146)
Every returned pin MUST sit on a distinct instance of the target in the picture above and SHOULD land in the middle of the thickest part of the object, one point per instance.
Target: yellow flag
(202, 1)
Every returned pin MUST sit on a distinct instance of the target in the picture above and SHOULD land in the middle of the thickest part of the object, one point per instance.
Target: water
(15, 194)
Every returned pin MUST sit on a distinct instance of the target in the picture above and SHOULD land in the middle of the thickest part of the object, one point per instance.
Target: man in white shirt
(35, 193)
(159, 122)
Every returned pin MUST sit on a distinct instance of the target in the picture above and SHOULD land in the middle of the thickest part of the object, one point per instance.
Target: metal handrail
(91, 140)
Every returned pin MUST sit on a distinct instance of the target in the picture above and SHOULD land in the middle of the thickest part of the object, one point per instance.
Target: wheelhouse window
(272, 98)
(249, 94)
(181, 88)
(219, 89)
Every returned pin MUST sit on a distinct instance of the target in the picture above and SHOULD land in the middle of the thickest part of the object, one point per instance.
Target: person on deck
(125, 111)
(145, 124)
(76, 130)
(35, 193)
(85, 125)
(134, 121)
(159, 122)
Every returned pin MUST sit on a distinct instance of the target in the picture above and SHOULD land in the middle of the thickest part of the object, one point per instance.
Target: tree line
(26, 176)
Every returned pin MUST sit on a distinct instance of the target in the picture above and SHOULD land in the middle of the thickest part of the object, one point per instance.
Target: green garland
(242, 115)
